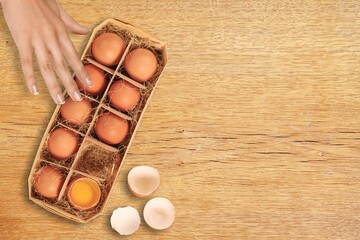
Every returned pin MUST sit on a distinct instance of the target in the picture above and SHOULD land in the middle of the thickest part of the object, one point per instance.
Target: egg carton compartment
(45, 153)
(64, 204)
(154, 47)
(135, 113)
(109, 28)
(33, 193)
(87, 92)
(81, 129)
(98, 159)
(103, 110)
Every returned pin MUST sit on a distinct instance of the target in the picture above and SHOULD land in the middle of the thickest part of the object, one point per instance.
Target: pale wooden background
(254, 127)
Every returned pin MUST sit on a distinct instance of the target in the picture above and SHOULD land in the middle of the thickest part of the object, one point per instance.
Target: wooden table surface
(254, 127)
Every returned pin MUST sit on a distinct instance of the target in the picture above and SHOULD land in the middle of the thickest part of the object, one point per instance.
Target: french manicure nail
(34, 89)
(77, 96)
(60, 99)
(88, 81)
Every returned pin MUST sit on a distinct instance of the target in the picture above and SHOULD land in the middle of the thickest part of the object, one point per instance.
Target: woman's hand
(41, 26)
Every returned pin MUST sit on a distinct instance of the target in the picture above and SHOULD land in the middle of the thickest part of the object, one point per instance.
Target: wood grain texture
(254, 127)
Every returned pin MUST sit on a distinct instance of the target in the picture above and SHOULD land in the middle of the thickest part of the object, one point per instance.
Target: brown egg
(141, 64)
(74, 112)
(62, 143)
(108, 49)
(111, 128)
(48, 181)
(123, 95)
(98, 78)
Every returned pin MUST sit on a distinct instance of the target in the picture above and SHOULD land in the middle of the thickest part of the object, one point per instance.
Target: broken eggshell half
(125, 220)
(159, 213)
(143, 180)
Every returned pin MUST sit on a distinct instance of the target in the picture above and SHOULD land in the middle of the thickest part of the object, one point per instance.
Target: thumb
(71, 24)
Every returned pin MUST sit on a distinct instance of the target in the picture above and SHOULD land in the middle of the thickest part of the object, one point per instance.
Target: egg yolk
(84, 193)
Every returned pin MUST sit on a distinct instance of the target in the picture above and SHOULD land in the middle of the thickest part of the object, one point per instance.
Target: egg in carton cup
(85, 143)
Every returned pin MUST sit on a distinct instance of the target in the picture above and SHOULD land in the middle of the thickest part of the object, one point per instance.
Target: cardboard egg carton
(94, 158)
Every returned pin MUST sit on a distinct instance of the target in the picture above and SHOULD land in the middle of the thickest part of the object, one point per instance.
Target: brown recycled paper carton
(94, 158)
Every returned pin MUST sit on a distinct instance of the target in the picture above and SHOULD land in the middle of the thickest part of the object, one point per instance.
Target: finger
(47, 71)
(71, 24)
(27, 68)
(61, 69)
(72, 57)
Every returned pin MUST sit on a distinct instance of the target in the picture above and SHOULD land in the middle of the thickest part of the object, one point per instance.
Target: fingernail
(88, 81)
(34, 89)
(77, 96)
(60, 99)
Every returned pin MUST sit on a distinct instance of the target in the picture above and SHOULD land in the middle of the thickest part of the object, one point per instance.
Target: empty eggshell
(143, 180)
(125, 220)
(159, 213)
